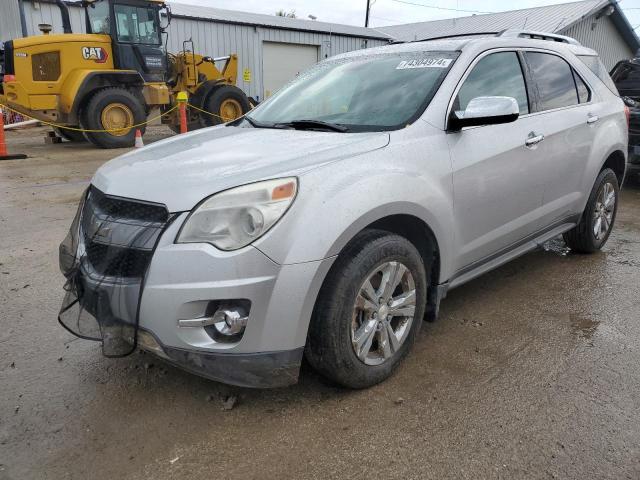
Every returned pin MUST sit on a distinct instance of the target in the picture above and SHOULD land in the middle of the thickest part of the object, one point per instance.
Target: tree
(283, 13)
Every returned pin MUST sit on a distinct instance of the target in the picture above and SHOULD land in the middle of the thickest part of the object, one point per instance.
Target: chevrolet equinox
(332, 219)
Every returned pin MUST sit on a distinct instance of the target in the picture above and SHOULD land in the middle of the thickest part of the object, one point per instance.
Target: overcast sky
(390, 12)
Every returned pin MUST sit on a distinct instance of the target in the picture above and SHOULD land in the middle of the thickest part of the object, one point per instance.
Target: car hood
(182, 170)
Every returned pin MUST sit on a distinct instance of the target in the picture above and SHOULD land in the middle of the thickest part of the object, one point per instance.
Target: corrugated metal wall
(215, 39)
(218, 39)
(40, 12)
(10, 20)
(603, 36)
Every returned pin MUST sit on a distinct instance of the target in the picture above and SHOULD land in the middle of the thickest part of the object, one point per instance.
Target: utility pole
(366, 19)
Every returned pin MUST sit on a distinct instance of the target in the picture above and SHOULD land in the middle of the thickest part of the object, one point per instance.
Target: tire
(225, 101)
(337, 319)
(583, 238)
(71, 135)
(129, 110)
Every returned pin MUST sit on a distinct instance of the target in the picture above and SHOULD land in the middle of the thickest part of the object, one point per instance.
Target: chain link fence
(12, 117)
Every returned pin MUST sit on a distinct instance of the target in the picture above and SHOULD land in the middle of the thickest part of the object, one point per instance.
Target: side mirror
(485, 111)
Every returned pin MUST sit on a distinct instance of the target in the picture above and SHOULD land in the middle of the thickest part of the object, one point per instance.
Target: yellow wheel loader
(106, 82)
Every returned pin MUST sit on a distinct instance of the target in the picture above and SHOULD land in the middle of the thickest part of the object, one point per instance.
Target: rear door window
(554, 81)
(497, 74)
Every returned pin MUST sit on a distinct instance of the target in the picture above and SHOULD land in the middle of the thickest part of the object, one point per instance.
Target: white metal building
(597, 24)
(271, 49)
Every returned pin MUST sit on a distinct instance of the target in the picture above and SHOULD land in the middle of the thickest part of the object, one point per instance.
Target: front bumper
(254, 370)
(182, 281)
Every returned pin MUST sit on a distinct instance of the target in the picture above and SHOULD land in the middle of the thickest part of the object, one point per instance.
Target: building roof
(551, 19)
(274, 21)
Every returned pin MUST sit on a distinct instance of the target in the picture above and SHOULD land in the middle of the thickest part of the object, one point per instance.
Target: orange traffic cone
(4, 155)
(139, 142)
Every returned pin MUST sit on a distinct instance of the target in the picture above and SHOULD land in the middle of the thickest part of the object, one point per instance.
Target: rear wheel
(116, 110)
(599, 215)
(70, 135)
(225, 103)
(369, 310)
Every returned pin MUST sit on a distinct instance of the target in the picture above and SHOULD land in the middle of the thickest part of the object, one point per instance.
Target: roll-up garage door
(281, 62)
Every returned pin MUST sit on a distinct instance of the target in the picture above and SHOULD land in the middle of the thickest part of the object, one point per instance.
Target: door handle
(592, 119)
(534, 139)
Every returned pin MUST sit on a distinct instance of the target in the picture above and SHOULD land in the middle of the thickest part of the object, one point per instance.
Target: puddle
(557, 246)
(583, 327)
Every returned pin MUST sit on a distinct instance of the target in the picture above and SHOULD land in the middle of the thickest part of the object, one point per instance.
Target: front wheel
(595, 226)
(369, 310)
(116, 111)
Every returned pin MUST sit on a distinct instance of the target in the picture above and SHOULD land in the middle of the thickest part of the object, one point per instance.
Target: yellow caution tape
(209, 113)
(65, 127)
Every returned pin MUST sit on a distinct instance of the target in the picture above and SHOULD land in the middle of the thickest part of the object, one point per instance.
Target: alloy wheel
(603, 211)
(383, 313)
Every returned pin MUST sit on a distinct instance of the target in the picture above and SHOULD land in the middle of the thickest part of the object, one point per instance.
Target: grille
(119, 234)
(45, 67)
(113, 261)
(126, 209)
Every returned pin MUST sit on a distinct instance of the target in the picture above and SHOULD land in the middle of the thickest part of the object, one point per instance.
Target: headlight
(233, 219)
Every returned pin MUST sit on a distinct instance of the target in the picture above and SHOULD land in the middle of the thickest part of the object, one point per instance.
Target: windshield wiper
(313, 124)
(258, 124)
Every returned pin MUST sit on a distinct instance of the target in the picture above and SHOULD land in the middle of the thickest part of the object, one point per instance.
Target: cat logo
(97, 54)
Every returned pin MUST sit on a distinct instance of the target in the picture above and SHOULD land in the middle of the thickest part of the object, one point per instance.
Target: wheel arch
(204, 91)
(95, 81)
(421, 236)
(415, 230)
(617, 162)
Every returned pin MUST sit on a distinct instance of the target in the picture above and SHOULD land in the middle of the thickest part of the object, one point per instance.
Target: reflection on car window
(372, 92)
(554, 79)
(584, 93)
(498, 74)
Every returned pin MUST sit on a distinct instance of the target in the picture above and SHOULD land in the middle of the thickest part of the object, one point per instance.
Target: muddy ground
(530, 372)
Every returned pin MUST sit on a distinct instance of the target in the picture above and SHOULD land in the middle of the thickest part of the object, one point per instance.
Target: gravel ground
(530, 372)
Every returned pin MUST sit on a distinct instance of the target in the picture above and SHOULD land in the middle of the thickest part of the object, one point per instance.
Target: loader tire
(113, 108)
(226, 103)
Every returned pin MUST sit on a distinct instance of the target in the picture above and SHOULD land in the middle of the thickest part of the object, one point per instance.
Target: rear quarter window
(600, 71)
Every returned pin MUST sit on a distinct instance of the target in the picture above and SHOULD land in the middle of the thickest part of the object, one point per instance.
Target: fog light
(230, 321)
(224, 320)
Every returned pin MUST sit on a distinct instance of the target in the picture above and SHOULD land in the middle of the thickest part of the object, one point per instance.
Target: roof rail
(458, 36)
(514, 33)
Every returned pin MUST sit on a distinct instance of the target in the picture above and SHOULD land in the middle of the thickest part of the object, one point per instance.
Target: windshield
(137, 24)
(99, 17)
(364, 93)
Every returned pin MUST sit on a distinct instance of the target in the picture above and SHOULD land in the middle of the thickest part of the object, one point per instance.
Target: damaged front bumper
(130, 285)
(254, 370)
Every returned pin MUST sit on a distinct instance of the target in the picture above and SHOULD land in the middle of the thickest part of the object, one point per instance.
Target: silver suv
(333, 218)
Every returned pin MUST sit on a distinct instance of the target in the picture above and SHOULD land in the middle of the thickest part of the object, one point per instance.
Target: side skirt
(466, 274)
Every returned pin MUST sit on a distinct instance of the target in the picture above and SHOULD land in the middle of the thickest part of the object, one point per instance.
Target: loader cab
(136, 35)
